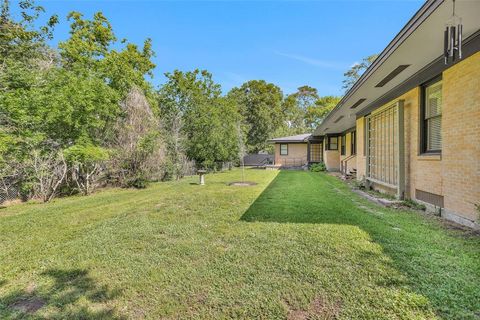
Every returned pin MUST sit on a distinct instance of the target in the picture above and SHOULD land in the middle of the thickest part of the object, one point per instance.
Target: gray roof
(298, 138)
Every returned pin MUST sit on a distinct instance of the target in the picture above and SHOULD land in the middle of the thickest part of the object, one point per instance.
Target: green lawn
(298, 245)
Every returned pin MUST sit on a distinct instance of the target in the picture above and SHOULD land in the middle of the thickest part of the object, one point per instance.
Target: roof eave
(418, 18)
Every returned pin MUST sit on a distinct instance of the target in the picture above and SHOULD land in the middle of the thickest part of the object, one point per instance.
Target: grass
(298, 245)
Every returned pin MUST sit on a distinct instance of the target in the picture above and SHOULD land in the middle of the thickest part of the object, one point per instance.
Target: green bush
(414, 205)
(26, 190)
(358, 184)
(137, 182)
(318, 167)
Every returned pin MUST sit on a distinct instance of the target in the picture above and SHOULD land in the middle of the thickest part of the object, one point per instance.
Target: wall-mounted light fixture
(452, 46)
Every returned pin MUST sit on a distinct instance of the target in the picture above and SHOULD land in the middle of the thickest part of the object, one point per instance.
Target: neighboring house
(411, 124)
(297, 151)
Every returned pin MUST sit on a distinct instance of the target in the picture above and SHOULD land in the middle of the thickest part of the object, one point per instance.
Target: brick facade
(297, 155)
(455, 174)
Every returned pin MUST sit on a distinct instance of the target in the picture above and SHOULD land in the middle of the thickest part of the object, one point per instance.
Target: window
(353, 141)
(332, 143)
(344, 144)
(431, 115)
(284, 149)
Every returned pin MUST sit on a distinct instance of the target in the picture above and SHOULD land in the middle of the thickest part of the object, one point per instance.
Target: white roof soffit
(417, 45)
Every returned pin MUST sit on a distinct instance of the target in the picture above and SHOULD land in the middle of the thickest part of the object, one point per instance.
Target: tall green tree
(90, 49)
(199, 124)
(260, 104)
(52, 101)
(316, 113)
(24, 56)
(355, 72)
(296, 106)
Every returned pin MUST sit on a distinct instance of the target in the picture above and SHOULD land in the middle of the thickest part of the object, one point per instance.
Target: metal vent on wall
(356, 104)
(392, 75)
(428, 197)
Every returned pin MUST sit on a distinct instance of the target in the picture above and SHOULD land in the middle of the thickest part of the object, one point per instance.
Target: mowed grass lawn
(298, 245)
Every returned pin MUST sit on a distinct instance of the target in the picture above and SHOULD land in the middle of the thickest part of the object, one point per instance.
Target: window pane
(333, 145)
(283, 149)
(433, 102)
(434, 133)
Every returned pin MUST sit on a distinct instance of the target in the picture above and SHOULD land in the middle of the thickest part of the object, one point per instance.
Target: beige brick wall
(332, 160)
(297, 155)
(360, 159)
(461, 136)
(422, 172)
(456, 173)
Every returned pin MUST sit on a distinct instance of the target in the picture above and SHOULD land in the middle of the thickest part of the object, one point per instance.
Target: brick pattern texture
(455, 174)
(297, 155)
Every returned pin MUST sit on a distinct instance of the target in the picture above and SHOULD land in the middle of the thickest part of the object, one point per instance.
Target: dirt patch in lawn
(242, 183)
(319, 308)
(28, 305)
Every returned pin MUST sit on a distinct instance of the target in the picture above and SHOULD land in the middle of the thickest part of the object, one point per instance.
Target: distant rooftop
(298, 138)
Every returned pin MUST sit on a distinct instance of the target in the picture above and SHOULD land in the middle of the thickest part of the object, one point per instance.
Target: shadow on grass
(438, 264)
(73, 295)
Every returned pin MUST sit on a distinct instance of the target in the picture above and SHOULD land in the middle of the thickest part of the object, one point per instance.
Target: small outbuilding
(297, 151)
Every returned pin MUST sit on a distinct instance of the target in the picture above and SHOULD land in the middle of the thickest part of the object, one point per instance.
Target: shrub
(318, 167)
(87, 163)
(414, 205)
(358, 184)
(138, 182)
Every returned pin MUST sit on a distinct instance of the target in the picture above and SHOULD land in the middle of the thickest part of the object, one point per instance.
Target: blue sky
(289, 43)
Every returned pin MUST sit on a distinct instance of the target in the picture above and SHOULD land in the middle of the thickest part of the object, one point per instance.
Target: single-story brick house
(297, 151)
(410, 125)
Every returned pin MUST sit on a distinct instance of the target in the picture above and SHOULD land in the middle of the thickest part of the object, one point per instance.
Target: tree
(182, 92)
(316, 114)
(260, 104)
(295, 109)
(48, 170)
(89, 48)
(21, 41)
(354, 73)
(139, 153)
(199, 124)
(211, 132)
(89, 42)
(70, 99)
